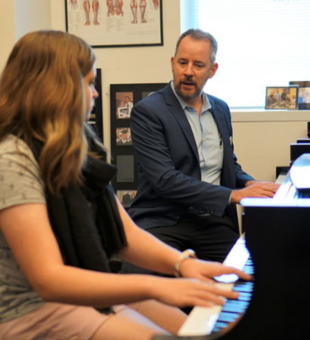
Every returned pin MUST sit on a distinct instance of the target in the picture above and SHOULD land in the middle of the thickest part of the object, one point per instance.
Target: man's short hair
(198, 34)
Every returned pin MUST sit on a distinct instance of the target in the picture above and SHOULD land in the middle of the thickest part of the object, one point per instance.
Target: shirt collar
(205, 102)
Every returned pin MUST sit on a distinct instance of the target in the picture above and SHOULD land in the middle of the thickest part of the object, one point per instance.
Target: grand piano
(277, 241)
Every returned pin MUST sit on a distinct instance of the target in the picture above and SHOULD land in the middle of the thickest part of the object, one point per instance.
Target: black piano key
(244, 296)
(303, 193)
(248, 270)
(243, 286)
(235, 303)
(232, 309)
(228, 317)
(219, 326)
(249, 264)
(235, 307)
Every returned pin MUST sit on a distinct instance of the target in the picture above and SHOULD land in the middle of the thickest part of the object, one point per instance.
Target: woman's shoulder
(12, 144)
(16, 151)
(20, 175)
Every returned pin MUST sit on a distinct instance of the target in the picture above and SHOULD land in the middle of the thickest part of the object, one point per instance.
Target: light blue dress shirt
(208, 140)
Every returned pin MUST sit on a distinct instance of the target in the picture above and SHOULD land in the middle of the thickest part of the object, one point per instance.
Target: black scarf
(85, 220)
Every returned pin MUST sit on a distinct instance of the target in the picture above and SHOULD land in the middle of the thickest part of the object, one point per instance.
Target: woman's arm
(147, 251)
(31, 239)
(144, 249)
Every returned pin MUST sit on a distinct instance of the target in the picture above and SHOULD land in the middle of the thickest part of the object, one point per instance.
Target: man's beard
(186, 94)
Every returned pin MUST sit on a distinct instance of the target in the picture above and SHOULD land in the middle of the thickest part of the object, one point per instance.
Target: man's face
(191, 68)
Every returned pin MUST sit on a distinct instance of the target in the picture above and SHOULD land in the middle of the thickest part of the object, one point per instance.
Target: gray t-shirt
(20, 183)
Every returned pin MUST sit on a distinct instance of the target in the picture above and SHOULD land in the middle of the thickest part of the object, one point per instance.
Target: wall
(131, 65)
(32, 15)
(7, 29)
(261, 139)
(119, 65)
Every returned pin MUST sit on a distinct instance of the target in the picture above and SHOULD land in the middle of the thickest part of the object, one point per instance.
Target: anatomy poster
(111, 23)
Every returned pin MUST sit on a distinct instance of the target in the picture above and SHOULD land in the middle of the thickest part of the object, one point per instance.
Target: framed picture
(123, 97)
(282, 98)
(123, 136)
(125, 168)
(126, 197)
(124, 104)
(116, 23)
(303, 94)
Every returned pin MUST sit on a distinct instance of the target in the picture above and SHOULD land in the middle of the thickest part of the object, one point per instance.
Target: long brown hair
(42, 99)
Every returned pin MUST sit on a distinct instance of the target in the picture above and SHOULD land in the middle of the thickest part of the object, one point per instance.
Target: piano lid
(300, 172)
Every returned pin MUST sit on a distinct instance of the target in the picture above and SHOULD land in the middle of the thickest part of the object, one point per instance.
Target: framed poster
(282, 98)
(116, 23)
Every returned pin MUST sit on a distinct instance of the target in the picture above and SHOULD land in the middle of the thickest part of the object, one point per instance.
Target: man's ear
(172, 60)
(213, 70)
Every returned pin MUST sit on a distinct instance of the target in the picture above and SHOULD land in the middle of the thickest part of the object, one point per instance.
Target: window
(260, 43)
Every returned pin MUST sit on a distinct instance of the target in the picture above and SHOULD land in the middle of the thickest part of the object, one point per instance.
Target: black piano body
(277, 233)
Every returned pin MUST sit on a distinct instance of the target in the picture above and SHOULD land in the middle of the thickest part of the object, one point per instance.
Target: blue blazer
(169, 172)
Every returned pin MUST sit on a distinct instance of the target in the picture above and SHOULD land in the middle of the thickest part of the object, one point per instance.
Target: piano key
(249, 270)
(203, 321)
(244, 296)
(235, 303)
(236, 307)
(219, 326)
(237, 258)
(244, 286)
(228, 317)
(233, 309)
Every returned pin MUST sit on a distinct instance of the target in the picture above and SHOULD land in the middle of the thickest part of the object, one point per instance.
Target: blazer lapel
(220, 121)
(228, 165)
(176, 110)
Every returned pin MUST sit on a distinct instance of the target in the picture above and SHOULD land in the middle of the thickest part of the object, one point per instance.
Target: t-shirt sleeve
(20, 180)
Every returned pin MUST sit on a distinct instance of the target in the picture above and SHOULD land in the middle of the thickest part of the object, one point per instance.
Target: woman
(60, 221)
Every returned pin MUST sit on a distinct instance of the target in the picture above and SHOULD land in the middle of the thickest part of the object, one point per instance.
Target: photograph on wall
(304, 98)
(123, 97)
(303, 94)
(123, 136)
(282, 98)
(125, 168)
(124, 104)
(126, 197)
(115, 23)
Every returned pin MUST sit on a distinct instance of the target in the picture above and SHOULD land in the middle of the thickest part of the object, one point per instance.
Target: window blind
(260, 43)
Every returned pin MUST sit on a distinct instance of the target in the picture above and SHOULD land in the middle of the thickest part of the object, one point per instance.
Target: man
(128, 104)
(189, 178)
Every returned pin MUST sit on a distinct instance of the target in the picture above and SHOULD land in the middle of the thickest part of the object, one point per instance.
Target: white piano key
(201, 320)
